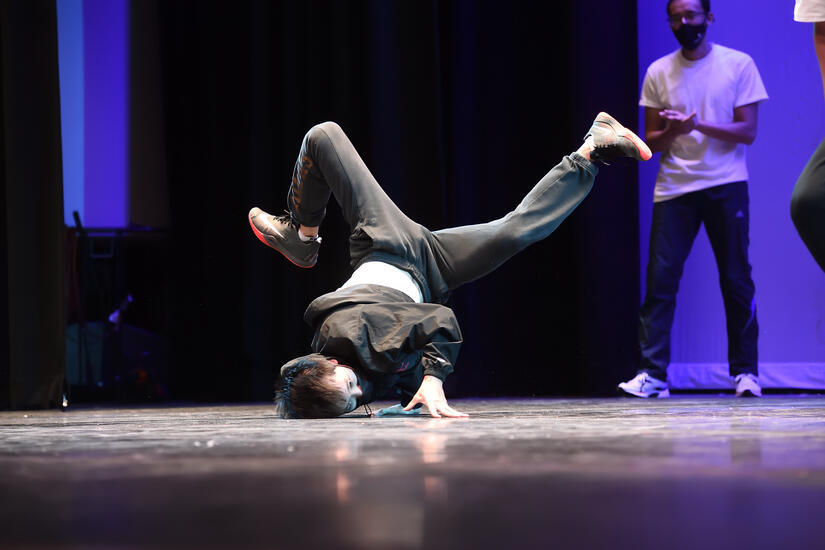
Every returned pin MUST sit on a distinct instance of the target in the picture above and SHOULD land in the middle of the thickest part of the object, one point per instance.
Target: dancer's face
(346, 381)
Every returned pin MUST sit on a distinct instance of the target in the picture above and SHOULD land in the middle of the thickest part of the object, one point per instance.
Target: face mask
(690, 36)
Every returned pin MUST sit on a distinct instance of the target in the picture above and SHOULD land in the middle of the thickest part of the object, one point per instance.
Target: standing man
(701, 106)
(808, 199)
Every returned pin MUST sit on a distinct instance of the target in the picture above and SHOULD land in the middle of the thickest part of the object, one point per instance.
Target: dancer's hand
(677, 122)
(431, 395)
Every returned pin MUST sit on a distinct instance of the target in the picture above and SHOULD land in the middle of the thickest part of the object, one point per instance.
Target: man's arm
(443, 338)
(741, 130)
(662, 127)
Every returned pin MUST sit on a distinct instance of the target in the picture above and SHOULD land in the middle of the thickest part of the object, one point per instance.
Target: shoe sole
(664, 394)
(263, 238)
(621, 131)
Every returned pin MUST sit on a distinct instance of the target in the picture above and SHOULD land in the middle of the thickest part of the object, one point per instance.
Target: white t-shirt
(712, 86)
(809, 11)
(384, 274)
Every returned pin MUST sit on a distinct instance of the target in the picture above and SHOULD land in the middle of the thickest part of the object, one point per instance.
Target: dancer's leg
(463, 254)
(329, 164)
(808, 205)
(460, 255)
(443, 260)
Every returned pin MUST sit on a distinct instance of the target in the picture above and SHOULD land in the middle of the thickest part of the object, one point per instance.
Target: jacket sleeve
(441, 338)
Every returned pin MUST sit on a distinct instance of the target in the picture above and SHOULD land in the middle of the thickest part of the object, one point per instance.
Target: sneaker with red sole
(281, 234)
(611, 140)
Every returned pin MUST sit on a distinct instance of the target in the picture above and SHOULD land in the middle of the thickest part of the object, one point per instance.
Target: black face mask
(690, 36)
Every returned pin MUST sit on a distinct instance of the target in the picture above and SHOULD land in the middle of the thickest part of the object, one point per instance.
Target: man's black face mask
(690, 36)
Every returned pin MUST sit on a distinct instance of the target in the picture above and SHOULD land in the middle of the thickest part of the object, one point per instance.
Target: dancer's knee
(324, 130)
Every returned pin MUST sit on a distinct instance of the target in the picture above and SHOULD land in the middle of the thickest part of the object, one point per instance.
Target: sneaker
(281, 233)
(747, 385)
(612, 140)
(644, 385)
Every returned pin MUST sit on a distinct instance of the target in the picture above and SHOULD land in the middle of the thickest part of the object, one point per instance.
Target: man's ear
(333, 361)
(710, 17)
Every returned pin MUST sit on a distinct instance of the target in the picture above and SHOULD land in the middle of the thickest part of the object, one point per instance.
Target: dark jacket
(389, 340)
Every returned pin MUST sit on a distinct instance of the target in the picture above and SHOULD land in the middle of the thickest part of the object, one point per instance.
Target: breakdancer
(385, 330)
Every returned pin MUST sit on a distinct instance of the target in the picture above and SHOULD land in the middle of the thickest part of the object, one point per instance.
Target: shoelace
(645, 380)
(599, 149)
(286, 218)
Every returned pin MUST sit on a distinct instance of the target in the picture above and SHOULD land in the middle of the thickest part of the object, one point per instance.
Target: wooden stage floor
(688, 472)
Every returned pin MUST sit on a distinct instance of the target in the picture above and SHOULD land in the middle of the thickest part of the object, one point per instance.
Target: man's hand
(678, 123)
(431, 395)
(663, 126)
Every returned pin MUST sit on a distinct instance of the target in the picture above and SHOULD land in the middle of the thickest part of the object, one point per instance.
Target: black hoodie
(388, 339)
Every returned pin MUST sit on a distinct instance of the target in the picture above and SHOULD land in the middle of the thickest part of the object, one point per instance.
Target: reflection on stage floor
(688, 472)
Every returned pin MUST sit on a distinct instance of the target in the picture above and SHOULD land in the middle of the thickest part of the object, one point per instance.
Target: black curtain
(458, 108)
(32, 292)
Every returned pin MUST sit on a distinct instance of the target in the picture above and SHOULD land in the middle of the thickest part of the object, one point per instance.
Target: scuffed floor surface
(688, 472)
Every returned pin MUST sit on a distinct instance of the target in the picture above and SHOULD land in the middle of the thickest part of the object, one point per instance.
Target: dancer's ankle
(586, 148)
(306, 233)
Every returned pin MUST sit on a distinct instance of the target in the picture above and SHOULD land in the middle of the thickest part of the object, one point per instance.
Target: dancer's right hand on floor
(431, 395)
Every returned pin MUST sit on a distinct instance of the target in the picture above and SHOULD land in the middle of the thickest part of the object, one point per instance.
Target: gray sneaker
(281, 233)
(612, 140)
(644, 385)
(747, 385)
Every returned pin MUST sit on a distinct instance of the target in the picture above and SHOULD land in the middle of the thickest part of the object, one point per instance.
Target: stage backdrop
(32, 240)
(790, 288)
(458, 108)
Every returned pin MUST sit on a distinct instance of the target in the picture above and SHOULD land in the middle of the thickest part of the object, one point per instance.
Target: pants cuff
(584, 163)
